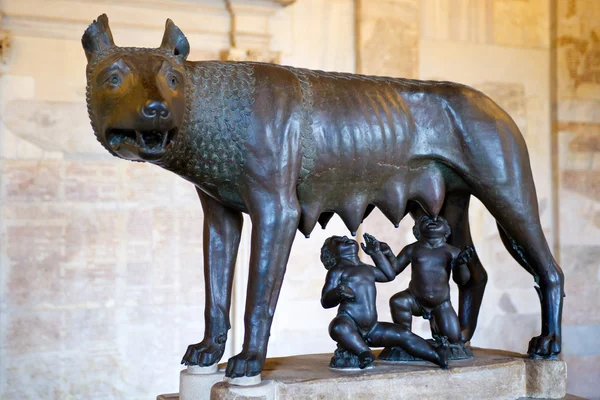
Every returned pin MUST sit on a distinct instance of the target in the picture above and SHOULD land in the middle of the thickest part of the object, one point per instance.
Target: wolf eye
(173, 81)
(114, 80)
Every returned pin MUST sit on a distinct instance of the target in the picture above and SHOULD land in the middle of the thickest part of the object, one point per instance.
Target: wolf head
(135, 97)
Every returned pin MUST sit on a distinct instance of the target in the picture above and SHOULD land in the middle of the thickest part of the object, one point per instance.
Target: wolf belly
(362, 149)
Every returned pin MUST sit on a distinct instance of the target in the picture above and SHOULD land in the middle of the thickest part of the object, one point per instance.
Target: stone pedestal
(491, 374)
(196, 383)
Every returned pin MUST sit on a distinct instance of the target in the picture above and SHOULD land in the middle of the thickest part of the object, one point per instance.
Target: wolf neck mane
(209, 147)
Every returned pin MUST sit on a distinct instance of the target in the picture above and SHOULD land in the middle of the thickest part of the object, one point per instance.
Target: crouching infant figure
(350, 284)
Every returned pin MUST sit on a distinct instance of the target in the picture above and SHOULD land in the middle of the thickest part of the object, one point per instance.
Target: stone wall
(480, 44)
(101, 281)
(97, 299)
(578, 152)
(540, 60)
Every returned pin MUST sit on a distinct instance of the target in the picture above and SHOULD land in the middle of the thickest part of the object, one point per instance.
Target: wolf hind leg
(470, 295)
(515, 209)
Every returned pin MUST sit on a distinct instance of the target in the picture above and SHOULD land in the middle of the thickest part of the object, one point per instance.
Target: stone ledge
(491, 374)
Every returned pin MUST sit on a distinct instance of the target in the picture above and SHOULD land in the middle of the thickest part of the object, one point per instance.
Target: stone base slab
(491, 374)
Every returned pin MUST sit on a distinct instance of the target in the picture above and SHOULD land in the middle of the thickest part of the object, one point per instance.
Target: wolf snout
(156, 109)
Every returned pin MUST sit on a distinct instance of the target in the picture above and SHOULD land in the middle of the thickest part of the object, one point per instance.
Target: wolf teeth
(153, 140)
(139, 138)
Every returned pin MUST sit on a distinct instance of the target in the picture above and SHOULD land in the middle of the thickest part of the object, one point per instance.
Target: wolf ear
(97, 37)
(175, 41)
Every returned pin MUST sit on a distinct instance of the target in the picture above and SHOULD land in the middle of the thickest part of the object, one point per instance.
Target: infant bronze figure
(432, 262)
(350, 284)
(292, 146)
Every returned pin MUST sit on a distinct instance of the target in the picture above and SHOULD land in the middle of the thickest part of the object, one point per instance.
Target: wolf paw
(205, 353)
(544, 346)
(246, 363)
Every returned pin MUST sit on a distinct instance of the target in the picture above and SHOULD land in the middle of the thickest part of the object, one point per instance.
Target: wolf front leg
(274, 223)
(221, 239)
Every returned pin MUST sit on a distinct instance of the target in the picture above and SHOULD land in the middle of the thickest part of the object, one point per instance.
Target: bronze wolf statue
(292, 146)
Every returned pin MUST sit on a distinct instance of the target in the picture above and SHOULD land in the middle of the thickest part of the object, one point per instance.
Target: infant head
(335, 248)
(429, 228)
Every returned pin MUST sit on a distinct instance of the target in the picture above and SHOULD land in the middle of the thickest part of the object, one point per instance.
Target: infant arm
(404, 258)
(384, 271)
(389, 254)
(330, 296)
(460, 270)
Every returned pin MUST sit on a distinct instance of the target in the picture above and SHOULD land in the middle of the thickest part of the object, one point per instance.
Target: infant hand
(345, 292)
(465, 255)
(371, 245)
(386, 249)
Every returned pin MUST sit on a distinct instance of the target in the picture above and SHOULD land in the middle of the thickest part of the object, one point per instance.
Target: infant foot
(365, 359)
(443, 351)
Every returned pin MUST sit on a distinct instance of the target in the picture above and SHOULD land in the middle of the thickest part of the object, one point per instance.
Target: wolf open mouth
(148, 141)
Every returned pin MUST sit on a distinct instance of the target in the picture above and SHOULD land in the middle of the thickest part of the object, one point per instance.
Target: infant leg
(343, 330)
(386, 334)
(447, 322)
(403, 306)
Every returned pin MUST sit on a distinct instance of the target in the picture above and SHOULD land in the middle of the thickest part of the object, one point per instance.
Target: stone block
(388, 37)
(25, 376)
(546, 378)
(32, 181)
(521, 23)
(492, 374)
(584, 182)
(92, 181)
(146, 183)
(53, 125)
(462, 21)
(578, 24)
(582, 284)
(92, 236)
(32, 332)
(30, 287)
(196, 385)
